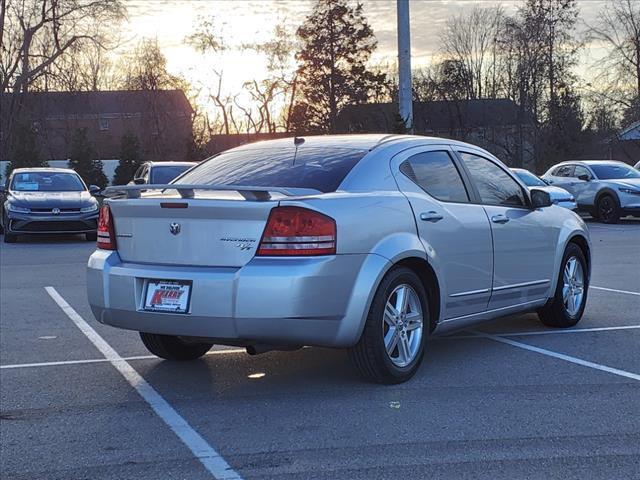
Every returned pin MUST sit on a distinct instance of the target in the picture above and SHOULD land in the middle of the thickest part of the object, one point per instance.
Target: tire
(370, 355)
(171, 347)
(10, 238)
(91, 237)
(558, 313)
(608, 209)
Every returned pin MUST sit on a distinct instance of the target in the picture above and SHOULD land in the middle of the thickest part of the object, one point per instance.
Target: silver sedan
(368, 242)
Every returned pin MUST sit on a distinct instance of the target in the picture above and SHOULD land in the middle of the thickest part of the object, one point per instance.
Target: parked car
(48, 200)
(367, 242)
(605, 189)
(559, 196)
(159, 172)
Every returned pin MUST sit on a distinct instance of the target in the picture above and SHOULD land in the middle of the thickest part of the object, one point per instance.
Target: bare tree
(619, 29)
(470, 40)
(36, 33)
(278, 89)
(146, 69)
(208, 39)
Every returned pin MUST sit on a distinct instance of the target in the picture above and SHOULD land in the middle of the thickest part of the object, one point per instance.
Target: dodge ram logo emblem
(174, 228)
(55, 211)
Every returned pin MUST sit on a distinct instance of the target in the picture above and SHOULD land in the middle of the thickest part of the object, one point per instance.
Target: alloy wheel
(402, 325)
(573, 288)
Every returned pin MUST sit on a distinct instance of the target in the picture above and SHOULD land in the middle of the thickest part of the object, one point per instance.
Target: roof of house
(100, 102)
(434, 116)
(632, 132)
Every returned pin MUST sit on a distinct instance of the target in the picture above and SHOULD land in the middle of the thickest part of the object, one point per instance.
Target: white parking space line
(210, 458)
(104, 360)
(561, 356)
(547, 332)
(235, 351)
(627, 292)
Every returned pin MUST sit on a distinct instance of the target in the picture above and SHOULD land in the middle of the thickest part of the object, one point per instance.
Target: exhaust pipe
(259, 348)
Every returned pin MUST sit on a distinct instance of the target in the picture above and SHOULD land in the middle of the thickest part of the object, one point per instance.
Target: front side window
(580, 170)
(437, 175)
(495, 186)
(47, 182)
(321, 169)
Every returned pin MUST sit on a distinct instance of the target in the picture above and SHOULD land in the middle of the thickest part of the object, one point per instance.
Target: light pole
(405, 100)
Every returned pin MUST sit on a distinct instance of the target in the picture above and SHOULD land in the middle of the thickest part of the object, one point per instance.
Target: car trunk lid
(212, 229)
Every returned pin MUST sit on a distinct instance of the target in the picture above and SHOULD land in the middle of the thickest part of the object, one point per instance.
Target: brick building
(161, 119)
(497, 125)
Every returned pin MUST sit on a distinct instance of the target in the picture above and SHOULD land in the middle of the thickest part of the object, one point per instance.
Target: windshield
(529, 179)
(47, 182)
(165, 173)
(610, 172)
(320, 169)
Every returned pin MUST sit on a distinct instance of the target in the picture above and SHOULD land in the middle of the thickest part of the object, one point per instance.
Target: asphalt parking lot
(510, 399)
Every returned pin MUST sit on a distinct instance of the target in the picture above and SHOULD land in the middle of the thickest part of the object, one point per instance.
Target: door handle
(431, 216)
(500, 219)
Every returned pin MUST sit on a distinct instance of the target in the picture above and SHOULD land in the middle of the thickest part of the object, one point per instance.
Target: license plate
(167, 296)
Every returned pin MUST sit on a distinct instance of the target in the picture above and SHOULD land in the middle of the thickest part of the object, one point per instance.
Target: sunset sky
(170, 21)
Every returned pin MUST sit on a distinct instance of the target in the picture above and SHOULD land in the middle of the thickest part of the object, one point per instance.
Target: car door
(561, 176)
(455, 232)
(523, 243)
(584, 191)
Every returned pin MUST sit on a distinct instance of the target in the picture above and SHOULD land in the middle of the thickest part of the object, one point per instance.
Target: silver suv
(606, 189)
(367, 242)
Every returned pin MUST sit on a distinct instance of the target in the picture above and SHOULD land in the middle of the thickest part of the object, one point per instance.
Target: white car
(606, 189)
(559, 196)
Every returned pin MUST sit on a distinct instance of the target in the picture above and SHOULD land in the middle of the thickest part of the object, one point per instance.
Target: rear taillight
(106, 232)
(296, 231)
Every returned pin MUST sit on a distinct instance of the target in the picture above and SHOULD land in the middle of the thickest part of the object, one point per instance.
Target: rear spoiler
(188, 191)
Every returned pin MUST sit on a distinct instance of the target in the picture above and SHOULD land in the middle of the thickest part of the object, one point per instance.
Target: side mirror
(138, 181)
(93, 189)
(540, 198)
(584, 178)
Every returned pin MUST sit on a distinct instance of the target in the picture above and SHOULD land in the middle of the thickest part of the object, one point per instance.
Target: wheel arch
(605, 191)
(583, 244)
(429, 279)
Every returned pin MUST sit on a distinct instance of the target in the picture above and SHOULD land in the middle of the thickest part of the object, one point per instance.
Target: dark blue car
(48, 200)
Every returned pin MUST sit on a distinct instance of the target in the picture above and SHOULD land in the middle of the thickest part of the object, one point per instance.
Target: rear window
(166, 173)
(320, 169)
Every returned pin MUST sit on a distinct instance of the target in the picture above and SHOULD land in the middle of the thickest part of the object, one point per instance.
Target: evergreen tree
(82, 160)
(25, 151)
(130, 159)
(337, 43)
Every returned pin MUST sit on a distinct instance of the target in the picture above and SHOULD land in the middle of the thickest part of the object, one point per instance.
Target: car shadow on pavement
(219, 374)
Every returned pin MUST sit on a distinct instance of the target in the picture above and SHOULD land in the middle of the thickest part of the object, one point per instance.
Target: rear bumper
(300, 301)
(27, 224)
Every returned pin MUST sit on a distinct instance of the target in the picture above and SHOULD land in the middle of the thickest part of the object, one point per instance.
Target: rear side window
(321, 169)
(495, 186)
(437, 175)
(564, 171)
